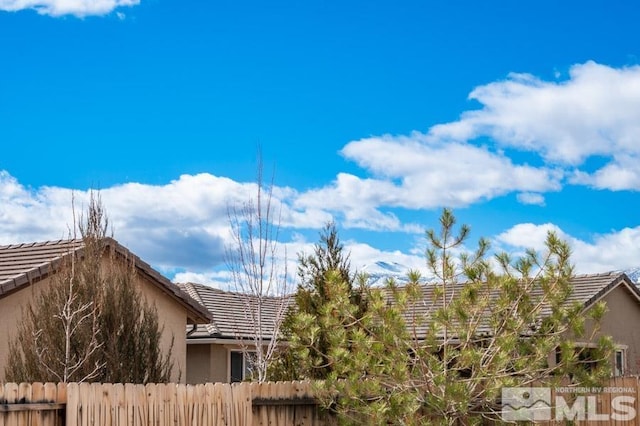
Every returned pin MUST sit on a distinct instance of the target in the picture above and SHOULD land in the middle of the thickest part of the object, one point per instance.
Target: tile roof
(587, 289)
(230, 320)
(21, 264)
(24, 264)
(231, 312)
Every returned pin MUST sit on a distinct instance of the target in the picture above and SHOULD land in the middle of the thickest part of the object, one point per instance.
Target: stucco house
(214, 351)
(622, 298)
(26, 269)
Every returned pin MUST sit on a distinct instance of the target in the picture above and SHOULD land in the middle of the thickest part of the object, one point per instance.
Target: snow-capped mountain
(633, 274)
(379, 271)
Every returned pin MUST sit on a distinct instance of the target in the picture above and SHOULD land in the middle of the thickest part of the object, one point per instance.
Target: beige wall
(10, 313)
(622, 322)
(220, 363)
(208, 362)
(198, 363)
(172, 315)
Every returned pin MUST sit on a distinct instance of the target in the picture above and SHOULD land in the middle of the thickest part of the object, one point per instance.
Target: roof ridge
(40, 243)
(238, 293)
(51, 252)
(192, 291)
(599, 274)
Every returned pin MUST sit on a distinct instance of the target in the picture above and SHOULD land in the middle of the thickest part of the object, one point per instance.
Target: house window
(240, 366)
(587, 358)
(619, 363)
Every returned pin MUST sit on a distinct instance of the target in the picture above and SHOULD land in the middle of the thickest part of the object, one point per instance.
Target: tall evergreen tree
(306, 355)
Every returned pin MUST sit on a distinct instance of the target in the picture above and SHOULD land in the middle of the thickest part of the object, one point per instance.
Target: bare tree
(64, 348)
(258, 275)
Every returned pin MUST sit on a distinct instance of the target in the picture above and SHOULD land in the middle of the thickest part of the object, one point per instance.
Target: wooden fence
(84, 404)
(32, 404)
(253, 404)
(615, 403)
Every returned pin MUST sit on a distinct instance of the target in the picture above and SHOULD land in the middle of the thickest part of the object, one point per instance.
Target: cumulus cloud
(529, 235)
(181, 228)
(363, 256)
(418, 172)
(621, 174)
(617, 250)
(28, 215)
(79, 8)
(556, 125)
(594, 113)
(431, 173)
(181, 224)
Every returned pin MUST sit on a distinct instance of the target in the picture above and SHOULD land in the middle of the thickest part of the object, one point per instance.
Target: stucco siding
(173, 318)
(11, 307)
(621, 322)
(207, 363)
(198, 363)
(219, 364)
(171, 315)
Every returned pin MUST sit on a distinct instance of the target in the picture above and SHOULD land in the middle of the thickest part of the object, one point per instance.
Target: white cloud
(613, 251)
(622, 174)
(356, 199)
(27, 215)
(595, 113)
(531, 198)
(79, 8)
(431, 174)
(616, 250)
(364, 255)
(212, 279)
(528, 235)
(417, 172)
(183, 223)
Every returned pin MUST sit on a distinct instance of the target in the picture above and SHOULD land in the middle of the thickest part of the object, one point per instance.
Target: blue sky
(521, 116)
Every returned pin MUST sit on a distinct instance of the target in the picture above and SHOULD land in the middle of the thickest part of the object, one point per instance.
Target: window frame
(246, 364)
(619, 370)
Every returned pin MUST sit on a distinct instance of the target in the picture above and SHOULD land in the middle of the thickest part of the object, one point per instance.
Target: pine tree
(441, 353)
(306, 355)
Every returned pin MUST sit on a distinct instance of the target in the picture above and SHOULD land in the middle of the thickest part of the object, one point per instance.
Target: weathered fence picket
(238, 404)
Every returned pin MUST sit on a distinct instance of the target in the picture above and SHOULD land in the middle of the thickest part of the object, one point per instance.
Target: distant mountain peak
(633, 274)
(391, 267)
(379, 271)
